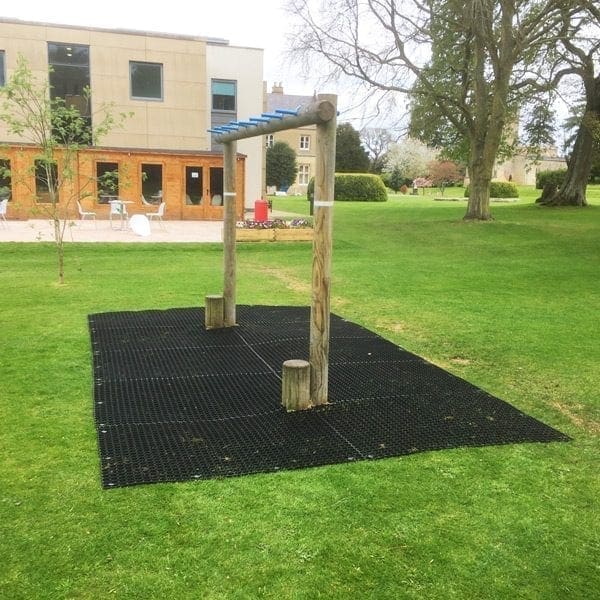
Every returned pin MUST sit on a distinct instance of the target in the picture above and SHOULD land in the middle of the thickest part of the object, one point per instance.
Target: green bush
(550, 178)
(500, 189)
(355, 187)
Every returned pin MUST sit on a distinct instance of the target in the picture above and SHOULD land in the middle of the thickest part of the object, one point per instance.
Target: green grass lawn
(511, 305)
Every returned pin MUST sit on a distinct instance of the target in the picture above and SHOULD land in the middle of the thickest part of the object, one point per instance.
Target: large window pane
(152, 183)
(69, 79)
(193, 185)
(223, 95)
(146, 80)
(216, 186)
(107, 176)
(46, 178)
(5, 180)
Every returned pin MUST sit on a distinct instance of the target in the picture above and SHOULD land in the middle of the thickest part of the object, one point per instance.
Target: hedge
(554, 178)
(355, 187)
(500, 189)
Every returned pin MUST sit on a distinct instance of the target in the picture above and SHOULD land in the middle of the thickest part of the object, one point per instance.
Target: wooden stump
(213, 312)
(295, 385)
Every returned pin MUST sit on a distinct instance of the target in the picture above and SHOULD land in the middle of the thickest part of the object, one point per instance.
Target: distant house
(176, 86)
(521, 170)
(301, 140)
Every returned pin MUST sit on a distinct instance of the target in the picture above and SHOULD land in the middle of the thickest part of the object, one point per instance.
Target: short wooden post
(229, 258)
(213, 312)
(295, 385)
(321, 268)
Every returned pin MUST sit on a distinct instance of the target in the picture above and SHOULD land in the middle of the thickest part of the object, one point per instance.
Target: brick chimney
(277, 88)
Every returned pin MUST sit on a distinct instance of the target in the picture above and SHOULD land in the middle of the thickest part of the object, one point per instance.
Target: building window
(270, 140)
(152, 183)
(146, 80)
(5, 180)
(303, 174)
(193, 185)
(46, 179)
(2, 69)
(69, 79)
(223, 95)
(107, 176)
(304, 142)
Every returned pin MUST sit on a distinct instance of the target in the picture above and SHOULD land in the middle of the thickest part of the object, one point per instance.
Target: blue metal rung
(246, 124)
(215, 130)
(272, 115)
(259, 119)
(285, 111)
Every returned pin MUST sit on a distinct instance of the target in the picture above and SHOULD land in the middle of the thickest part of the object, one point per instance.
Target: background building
(176, 88)
(301, 140)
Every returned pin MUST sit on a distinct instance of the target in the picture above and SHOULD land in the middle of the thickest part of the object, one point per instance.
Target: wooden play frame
(221, 310)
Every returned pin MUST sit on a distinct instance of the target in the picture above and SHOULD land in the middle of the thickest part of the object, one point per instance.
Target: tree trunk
(572, 191)
(60, 249)
(480, 177)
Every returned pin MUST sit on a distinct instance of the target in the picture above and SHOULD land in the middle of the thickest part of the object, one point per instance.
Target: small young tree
(58, 132)
(443, 173)
(281, 165)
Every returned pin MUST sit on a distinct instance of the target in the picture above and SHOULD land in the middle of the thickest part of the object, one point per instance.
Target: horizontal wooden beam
(316, 113)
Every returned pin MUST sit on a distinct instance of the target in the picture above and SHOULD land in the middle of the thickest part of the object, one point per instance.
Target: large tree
(581, 52)
(411, 157)
(377, 141)
(470, 58)
(350, 156)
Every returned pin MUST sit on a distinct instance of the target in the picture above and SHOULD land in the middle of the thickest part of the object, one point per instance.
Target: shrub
(500, 189)
(355, 187)
(550, 178)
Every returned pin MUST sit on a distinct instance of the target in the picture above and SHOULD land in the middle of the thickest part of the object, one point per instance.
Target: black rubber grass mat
(174, 402)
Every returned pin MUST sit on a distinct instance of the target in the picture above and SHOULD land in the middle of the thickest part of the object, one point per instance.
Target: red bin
(261, 210)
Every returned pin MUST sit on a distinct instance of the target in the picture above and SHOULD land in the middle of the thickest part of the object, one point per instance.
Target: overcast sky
(242, 22)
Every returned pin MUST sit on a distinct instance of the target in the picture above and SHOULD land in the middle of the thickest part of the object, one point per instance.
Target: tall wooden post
(322, 245)
(229, 258)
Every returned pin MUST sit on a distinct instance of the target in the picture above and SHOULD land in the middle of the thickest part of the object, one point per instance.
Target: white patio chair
(145, 202)
(158, 214)
(3, 210)
(86, 214)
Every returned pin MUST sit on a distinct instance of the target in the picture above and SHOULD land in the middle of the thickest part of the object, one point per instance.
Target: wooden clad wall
(23, 204)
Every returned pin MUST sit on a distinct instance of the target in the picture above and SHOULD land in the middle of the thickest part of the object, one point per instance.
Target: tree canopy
(281, 165)
(468, 63)
(350, 156)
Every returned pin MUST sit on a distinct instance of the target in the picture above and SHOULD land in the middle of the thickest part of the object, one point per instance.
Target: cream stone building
(175, 87)
(301, 140)
(522, 170)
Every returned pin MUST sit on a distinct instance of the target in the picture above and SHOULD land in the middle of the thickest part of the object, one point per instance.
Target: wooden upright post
(229, 266)
(321, 269)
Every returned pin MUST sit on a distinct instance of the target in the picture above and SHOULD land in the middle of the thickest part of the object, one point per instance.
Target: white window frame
(303, 174)
(270, 140)
(305, 142)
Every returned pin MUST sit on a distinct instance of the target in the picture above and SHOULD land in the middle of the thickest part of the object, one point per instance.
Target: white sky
(259, 24)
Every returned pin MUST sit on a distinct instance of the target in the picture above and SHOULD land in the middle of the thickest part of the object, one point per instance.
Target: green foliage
(500, 189)
(396, 180)
(355, 187)
(553, 178)
(281, 165)
(350, 156)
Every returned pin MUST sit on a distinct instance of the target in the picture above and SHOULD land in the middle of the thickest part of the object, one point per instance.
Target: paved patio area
(40, 230)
